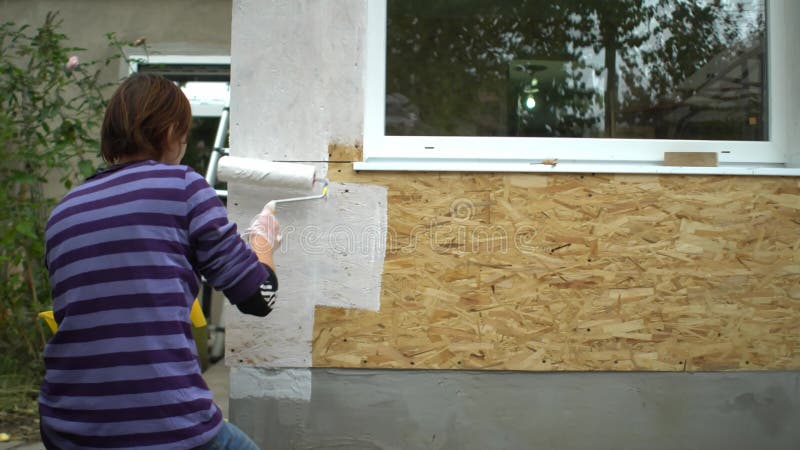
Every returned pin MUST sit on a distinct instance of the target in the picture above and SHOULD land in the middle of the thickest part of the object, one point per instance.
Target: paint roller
(261, 173)
(258, 172)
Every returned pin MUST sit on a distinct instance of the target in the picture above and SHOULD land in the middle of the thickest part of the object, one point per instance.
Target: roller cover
(258, 172)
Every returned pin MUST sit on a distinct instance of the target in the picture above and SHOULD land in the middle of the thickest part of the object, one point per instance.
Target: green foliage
(50, 114)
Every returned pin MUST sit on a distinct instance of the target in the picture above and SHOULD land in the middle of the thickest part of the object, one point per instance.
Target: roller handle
(218, 151)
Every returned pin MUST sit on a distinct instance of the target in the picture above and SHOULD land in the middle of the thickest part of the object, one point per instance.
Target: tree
(614, 27)
(521, 68)
(701, 44)
(450, 69)
(51, 106)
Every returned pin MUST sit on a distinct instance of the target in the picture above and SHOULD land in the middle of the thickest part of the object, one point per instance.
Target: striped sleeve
(220, 254)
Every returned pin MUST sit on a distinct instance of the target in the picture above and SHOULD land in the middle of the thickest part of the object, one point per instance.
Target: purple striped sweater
(125, 252)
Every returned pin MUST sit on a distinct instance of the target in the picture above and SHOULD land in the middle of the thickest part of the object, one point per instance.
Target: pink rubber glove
(265, 224)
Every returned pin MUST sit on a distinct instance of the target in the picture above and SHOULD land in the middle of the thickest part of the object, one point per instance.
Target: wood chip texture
(570, 272)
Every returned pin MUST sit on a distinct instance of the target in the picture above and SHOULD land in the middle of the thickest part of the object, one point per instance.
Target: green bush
(50, 112)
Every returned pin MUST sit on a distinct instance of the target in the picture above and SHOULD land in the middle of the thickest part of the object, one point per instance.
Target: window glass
(652, 69)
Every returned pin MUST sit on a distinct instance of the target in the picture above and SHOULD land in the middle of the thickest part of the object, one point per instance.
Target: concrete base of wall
(371, 409)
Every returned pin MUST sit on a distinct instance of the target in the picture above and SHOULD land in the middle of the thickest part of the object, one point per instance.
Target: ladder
(216, 332)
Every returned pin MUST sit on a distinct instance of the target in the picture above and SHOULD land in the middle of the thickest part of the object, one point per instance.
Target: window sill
(417, 165)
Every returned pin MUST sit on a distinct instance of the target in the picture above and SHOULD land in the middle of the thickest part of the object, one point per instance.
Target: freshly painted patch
(341, 252)
(331, 254)
(290, 384)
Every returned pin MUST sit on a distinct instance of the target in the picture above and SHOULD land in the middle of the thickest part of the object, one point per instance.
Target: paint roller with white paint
(258, 172)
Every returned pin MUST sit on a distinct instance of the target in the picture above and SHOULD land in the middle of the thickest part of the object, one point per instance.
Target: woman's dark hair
(139, 116)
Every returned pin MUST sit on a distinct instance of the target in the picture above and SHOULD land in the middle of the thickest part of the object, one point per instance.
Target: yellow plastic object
(196, 316)
(49, 320)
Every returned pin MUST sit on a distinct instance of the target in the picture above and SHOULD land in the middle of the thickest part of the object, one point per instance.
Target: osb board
(577, 272)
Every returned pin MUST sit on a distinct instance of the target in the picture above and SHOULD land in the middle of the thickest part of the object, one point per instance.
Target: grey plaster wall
(174, 27)
(184, 26)
(390, 409)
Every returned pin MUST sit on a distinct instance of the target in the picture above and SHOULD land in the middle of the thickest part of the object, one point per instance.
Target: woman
(125, 251)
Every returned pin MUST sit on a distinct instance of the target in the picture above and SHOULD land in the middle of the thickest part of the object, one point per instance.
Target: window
(584, 85)
(206, 82)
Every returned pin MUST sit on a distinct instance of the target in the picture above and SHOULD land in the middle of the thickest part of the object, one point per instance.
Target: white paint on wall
(283, 338)
(331, 254)
(333, 249)
(342, 250)
(288, 384)
(296, 87)
(296, 77)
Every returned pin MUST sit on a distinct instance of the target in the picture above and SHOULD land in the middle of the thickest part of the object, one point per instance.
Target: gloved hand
(265, 225)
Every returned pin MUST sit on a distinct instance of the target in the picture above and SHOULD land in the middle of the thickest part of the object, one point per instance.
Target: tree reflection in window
(663, 69)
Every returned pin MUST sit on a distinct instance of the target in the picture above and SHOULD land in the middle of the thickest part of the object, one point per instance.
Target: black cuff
(261, 302)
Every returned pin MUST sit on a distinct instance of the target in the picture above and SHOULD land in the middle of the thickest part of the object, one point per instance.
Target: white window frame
(777, 156)
(199, 109)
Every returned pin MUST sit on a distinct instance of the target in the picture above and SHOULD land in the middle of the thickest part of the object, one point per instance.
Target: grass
(19, 416)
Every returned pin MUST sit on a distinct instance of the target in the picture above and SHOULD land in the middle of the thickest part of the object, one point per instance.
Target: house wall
(185, 27)
(298, 89)
(442, 409)
(175, 27)
(576, 272)
(629, 283)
